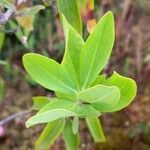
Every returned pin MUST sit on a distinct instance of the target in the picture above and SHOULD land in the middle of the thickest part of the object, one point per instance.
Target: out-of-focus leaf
(127, 88)
(95, 129)
(5, 4)
(48, 73)
(71, 139)
(49, 134)
(26, 22)
(1, 89)
(87, 11)
(2, 38)
(41, 101)
(75, 125)
(31, 10)
(70, 10)
(97, 50)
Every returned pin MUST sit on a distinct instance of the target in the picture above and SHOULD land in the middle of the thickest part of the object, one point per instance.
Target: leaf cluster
(80, 91)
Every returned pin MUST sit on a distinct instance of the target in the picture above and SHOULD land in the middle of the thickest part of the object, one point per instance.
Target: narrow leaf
(70, 10)
(97, 50)
(95, 129)
(127, 88)
(49, 134)
(48, 73)
(71, 59)
(71, 139)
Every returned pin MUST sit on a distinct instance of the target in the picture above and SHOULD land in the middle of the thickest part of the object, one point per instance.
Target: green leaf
(85, 110)
(71, 139)
(2, 38)
(95, 129)
(70, 10)
(75, 125)
(1, 89)
(99, 80)
(97, 50)
(49, 116)
(104, 95)
(74, 44)
(5, 4)
(41, 101)
(49, 134)
(81, 110)
(48, 73)
(60, 109)
(127, 88)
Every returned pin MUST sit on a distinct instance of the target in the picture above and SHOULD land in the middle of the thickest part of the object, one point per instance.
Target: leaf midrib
(61, 82)
(88, 75)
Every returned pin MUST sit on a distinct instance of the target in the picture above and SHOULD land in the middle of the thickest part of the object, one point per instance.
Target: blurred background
(42, 33)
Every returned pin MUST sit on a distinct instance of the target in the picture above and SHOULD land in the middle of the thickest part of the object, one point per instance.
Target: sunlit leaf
(102, 97)
(127, 88)
(97, 50)
(48, 73)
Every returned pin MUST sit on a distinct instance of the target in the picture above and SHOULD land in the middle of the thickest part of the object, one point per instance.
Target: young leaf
(97, 50)
(71, 139)
(49, 116)
(104, 95)
(48, 73)
(74, 44)
(127, 88)
(41, 101)
(95, 129)
(49, 134)
(71, 12)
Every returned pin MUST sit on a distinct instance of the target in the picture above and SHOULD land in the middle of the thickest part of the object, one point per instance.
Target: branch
(14, 116)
